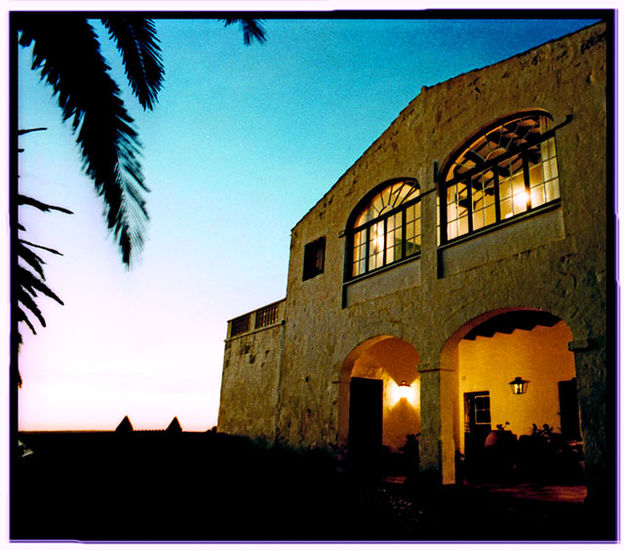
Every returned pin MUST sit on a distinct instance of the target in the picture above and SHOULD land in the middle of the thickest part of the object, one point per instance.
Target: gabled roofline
(427, 88)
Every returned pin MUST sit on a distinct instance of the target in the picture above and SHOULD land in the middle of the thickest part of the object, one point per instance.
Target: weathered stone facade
(553, 260)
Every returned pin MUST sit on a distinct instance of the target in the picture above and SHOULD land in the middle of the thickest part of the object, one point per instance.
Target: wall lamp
(404, 389)
(518, 385)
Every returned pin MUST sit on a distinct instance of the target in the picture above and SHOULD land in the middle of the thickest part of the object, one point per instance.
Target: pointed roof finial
(174, 426)
(125, 426)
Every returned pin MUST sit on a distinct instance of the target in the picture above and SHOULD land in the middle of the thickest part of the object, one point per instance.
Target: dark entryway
(365, 422)
(477, 426)
(569, 410)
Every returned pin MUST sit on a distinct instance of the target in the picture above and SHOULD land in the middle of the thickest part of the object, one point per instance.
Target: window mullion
(469, 208)
(527, 177)
(404, 231)
(348, 268)
(385, 240)
(367, 249)
(496, 194)
(443, 206)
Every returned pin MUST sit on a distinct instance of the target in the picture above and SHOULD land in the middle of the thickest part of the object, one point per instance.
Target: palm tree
(66, 52)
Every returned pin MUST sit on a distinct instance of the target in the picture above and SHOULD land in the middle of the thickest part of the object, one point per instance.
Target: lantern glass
(518, 385)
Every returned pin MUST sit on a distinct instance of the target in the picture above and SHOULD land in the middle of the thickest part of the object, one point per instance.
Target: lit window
(385, 229)
(506, 170)
(313, 258)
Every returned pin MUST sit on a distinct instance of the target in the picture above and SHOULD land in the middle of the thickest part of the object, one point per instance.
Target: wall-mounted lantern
(404, 389)
(518, 385)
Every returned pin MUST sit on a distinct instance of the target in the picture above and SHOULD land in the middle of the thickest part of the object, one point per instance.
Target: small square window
(313, 258)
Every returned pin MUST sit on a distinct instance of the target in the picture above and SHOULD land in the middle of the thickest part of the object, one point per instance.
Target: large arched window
(384, 228)
(508, 169)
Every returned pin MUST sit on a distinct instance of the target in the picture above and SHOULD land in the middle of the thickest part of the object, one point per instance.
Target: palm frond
(31, 283)
(25, 301)
(42, 247)
(29, 201)
(29, 257)
(67, 53)
(22, 317)
(252, 29)
(27, 131)
(137, 43)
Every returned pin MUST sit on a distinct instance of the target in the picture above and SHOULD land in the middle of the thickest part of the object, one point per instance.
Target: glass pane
(390, 223)
(387, 199)
(537, 196)
(451, 230)
(457, 210)
(394, 227)
(552, 190)
(483, 200)
(417, 229)
(359, 253)
(504, 188)
(506, 209)
(482, 416)
(410, 213)
(377, 245)
(463, 225)
(478, 219)
(410, 229)
(517, 182)
(536, 175)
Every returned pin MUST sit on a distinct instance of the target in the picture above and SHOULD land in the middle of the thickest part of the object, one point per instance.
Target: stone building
(467, 248)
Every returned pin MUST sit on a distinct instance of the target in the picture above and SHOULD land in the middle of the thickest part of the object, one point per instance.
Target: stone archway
(382, 373)
(532, 437)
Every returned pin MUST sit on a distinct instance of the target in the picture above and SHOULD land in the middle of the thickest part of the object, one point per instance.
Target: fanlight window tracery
(386, 230)
(506, 171)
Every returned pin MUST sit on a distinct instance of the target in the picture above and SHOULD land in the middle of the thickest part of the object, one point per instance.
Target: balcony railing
(264, 317)
(240, 325)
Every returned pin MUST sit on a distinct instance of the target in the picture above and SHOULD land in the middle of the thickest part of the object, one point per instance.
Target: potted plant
(499, 452)
(500, 437)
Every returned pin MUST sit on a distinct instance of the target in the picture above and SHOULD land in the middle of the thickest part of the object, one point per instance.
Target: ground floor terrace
(504, 405)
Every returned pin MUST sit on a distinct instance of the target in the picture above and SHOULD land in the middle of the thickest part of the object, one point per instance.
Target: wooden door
(365, 419)
(477, 426)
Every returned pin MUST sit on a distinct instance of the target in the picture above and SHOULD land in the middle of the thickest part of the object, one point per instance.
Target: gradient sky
(243, 142)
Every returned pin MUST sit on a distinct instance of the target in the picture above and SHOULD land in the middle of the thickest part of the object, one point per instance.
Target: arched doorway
(507, 433)
(379, 404)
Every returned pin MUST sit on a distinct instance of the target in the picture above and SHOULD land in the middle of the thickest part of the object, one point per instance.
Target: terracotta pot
(499, 438)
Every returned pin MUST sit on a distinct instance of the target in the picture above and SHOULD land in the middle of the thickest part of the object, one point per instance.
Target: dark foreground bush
(215, 487)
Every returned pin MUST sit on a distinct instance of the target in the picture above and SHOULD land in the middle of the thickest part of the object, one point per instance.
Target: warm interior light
(518, 385)
(521, 200)
(378, 241)
(405, 390)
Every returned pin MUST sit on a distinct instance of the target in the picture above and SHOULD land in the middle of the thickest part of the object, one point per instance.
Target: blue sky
(243, 142)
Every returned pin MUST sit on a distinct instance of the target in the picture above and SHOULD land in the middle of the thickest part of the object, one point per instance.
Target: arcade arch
(379, 393)
(489, 352)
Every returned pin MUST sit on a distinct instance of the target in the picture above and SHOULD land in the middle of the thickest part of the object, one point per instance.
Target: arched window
(384, 228)
(506, 170)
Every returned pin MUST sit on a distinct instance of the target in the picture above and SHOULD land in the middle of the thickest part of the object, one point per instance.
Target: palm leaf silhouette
(252, 29)
(66, 51)
(137, 43)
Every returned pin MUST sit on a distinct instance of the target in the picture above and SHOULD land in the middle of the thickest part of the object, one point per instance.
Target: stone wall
(251, 370)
